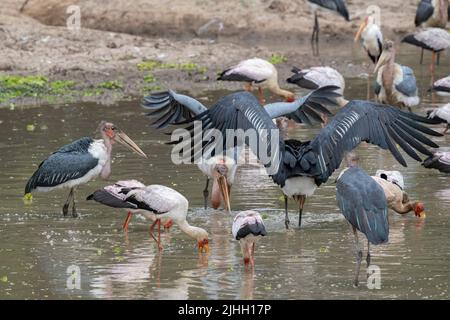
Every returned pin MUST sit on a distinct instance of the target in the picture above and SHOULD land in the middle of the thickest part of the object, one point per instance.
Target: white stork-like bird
(115, 196)
(440, 160)
(166, 204)
(371, 38)
(317, 77)
(442, 86)
(248, 227)
(300, 167)
(397, 199)
(259, 73)
(334, 5)
(442, 115)
(395, 84)
(79, 162)
(435, 40)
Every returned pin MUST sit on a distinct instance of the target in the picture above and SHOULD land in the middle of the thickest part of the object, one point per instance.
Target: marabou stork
(172, 108)
(442, 86)
(397, 199)
(395, 84)
(432, 14)
(440, 160)
(371, 38)
(79, 162)
(115, 196)
(442, 115)
(363, 203)
(257, 72)
(334, 5)
(300, 167)
(317, 77)
(247, 228)
(432, 39)
(166, 204)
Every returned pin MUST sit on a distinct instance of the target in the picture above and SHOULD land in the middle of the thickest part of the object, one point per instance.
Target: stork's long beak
(124, 140)
(381, 61)
(360, 30)
(224, 190)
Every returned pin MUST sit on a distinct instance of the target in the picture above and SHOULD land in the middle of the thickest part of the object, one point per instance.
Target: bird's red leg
(151, 231)
(261, 96)
(127, 221)
(159, 235)
(433, 62)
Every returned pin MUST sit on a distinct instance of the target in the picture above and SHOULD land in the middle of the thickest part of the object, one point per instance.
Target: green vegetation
(111, 85)
(149, 78)
(277, 59)
(12, 87)
(150, 65)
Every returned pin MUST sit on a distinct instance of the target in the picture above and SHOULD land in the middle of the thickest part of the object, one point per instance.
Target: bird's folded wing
(408, 85)
(424, 12)
(169, 107)
(378, 124)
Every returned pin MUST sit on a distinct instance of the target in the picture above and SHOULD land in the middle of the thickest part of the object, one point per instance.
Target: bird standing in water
(79, 162)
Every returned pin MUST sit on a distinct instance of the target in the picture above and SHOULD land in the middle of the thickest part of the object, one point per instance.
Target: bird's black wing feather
(424, 12)
(70, 162)
(104, 197)
(336, 5)
(378, 124)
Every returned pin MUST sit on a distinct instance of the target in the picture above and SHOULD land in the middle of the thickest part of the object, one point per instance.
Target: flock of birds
(302, 166)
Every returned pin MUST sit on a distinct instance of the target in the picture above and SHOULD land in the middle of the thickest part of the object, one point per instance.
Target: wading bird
(363, 203)
(442, 115)
(257, 72)
(79, 162)
(432, 14)
(397, 199)
(440, 160)
(395, 84)
(115, 196)
(371, 38)
(317, 77)
(166, 204)
(334, 5)
(442, 86)
(173, 108)
(435, 40)
(248, 227)
(394, 177)
(300, 167)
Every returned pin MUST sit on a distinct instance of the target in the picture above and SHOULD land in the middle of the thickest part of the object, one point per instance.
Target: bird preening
(80, 162)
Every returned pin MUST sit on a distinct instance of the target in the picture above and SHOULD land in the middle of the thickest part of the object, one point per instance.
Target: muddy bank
(106, 60)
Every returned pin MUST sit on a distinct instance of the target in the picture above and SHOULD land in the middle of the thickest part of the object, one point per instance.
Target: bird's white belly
(305, 186)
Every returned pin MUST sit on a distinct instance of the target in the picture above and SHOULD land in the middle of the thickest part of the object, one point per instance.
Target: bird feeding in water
(397, 199)
(248, 227)
(79, 162)
(362, 202)
(395, 84)
(300, 167)
(442, 115)
(115, 196)
(166, 203)
(259, 73)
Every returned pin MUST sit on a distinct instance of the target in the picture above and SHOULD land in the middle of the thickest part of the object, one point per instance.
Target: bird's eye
(113, 128)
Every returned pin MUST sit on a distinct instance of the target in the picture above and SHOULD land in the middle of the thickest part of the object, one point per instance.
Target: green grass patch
(149, 78)
(277, 59)
(150, 65)
(111, 85)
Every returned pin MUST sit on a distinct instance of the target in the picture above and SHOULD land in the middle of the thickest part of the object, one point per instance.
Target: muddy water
(37, 245)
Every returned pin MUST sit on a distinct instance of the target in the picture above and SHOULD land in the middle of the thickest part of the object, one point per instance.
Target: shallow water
(37, 245)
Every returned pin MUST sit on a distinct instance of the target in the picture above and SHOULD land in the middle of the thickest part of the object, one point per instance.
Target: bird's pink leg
(127, 221)
(446, 129)
(433, 62)
(151, 231)
(159, 235)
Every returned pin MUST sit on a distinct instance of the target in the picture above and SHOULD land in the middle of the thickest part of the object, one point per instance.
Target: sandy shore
(193, 40)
